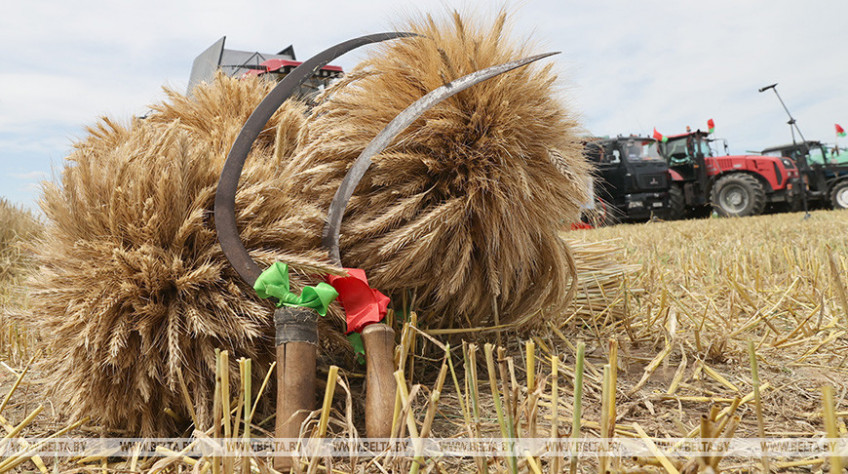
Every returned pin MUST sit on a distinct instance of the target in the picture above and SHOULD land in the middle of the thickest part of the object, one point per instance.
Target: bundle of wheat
(133, 293)
(462, 210)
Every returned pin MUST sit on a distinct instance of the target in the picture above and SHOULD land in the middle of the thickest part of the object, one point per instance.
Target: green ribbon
(275, 282)
(358, 348)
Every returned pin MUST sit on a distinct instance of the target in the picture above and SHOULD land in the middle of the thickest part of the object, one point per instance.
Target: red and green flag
(840, 131)
(659, 136)
(710, 126)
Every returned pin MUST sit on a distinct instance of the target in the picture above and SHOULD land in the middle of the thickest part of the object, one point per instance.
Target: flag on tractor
(710, 126)
(840, 131)
(659, 136)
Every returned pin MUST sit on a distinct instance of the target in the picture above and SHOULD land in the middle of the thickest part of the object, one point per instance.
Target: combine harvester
(732, 186)
(631, 178)
(236, 63)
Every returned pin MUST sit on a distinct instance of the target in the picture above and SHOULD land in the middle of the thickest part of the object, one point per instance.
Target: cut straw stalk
(23, 424)
(246, 369)
(830, 425)
(103, 455)
(39, 463)
(839, 287)
(17, 459)
(200, 436)
(678, 375)
(729, 410)
(435, 394)
(726, 434)
(555, 409)
(532, 402)
(530, 357)
(262, 389)
(187, 398)
(474, 392)
(216, 410)
(718, 377)
(613, 387)
(176, 456)
(461, 395)
(707, 433)
(413, 325)
(652, 367)
(532, 462)
(509, 400)
(329, 390)
(493, 386)
(326, 407)
(17, 382)
(663, 460)
(578, 403)
(604, 422)
(224, 367)
(755, 376)
(418, 447)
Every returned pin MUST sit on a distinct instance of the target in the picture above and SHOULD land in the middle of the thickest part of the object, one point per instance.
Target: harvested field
(666, 315)
(18, 227)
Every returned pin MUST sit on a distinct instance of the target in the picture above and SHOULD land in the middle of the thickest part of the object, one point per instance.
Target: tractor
(735, 186)
(825, 177)
(631, 178)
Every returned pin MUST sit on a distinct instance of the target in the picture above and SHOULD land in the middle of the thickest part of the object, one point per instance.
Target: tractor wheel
(676, 203)
(839, 195)
(738, 195)
(796, 204)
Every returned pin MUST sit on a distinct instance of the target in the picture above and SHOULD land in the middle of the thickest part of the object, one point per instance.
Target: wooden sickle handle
(379, 342)
(296, 356)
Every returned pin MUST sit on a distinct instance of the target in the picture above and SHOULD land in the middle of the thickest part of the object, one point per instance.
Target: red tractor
(739, 185)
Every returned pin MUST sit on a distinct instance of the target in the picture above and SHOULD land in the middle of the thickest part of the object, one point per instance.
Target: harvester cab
(825, 176)
(732, 185)
(631, 178)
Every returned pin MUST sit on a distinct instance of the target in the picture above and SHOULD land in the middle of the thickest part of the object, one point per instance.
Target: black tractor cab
(824, 171)
(631, 178)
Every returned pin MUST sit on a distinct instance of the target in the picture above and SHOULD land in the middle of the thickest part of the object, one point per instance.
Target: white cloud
(31, 175)
(626, 66)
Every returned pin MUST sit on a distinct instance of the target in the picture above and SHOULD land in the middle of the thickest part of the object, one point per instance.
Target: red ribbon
(363, 305)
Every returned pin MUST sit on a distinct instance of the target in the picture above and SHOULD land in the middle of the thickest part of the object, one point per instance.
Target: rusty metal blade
(225, 196)
(330, 237)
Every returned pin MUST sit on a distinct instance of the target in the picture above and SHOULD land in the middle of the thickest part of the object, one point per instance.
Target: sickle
(330, 237)
(225, 196)
(378, 339)
(296, 330)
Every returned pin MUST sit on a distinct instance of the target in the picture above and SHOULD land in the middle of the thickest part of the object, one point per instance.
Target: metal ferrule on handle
(295, 324)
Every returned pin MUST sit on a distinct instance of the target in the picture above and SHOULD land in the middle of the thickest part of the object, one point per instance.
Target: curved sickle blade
(330, 237)
(225, 195)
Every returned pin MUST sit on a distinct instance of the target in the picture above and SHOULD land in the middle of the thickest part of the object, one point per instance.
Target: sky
(626, 66)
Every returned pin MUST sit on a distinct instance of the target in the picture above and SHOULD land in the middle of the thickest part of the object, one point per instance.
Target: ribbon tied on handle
(274, 282)
(363, 305)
